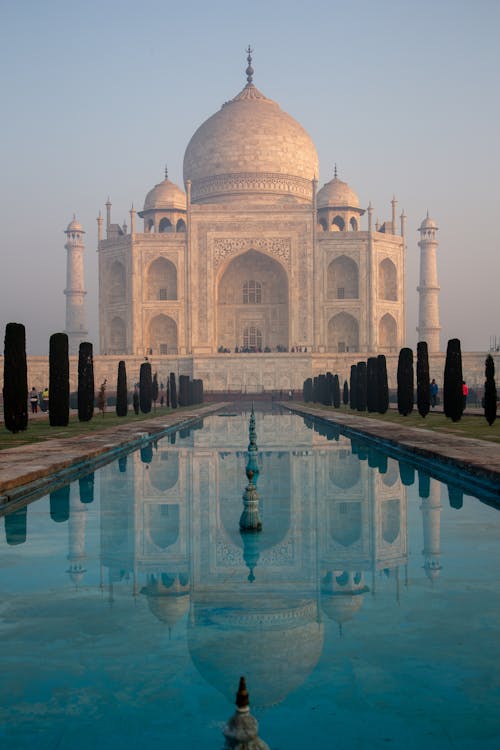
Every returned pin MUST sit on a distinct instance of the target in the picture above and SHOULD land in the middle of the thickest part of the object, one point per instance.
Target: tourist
(34, 400)
(45, 399)
(465, 392)
(434, 393)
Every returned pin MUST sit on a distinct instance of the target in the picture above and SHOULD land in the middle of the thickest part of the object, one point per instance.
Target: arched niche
(346, 523)
(117, 336)
(391, 476)
(165, 225)
(391, 515)
(116, 283)
(388, 280)
(149, 226)
(163, 523)
(388, 333)
(338, 224)
(162, 280)
(343, 333)
(164, 471)
(252, 292)
(344, 470)
(343, 278)
(163, 335)
(180, 226)
(353, 223)
(323, 224)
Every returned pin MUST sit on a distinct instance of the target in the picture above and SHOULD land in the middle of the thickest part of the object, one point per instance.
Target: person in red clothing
(465, 392)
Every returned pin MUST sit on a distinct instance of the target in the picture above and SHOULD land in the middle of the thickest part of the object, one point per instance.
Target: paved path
(35, 463)
(477, 457)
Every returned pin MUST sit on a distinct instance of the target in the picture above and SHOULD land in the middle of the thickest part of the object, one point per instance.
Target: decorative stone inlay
(228, 555)
(281, 618)
(247, 182)
(225, 247)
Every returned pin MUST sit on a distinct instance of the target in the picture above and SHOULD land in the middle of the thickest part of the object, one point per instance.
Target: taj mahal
(253, 257)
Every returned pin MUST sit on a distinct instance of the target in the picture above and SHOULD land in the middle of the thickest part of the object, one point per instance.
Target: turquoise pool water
(366, 614)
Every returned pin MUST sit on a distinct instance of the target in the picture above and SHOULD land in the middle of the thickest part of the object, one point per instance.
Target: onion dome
(74, 226)
(337, 194)
(428, 223)
(166, 195)
(250, 147)
(242, 729)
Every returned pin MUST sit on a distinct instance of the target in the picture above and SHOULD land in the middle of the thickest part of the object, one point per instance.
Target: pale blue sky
(98, 96)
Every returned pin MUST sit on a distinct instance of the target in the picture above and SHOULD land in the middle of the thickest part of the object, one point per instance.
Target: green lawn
(470, 426)
(39, 428)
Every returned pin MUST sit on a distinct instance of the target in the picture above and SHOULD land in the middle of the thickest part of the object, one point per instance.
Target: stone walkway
(476, 457)
(39, 464)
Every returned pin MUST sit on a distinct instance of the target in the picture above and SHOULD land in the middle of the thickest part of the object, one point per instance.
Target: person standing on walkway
(34, 400)
(434, 393)
(45, 399)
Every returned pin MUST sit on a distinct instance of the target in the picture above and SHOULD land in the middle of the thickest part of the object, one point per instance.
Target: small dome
(74, 225)
(428, 223)
(337, 194)
(165, 195)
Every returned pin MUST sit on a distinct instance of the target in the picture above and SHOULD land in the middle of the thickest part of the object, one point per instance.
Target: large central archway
(252, 304)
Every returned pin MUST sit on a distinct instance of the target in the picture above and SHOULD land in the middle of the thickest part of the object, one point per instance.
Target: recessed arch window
(252, 292)
(165, 225)
(338, 224)
(252, 338)
(180, 226)
(354, 225)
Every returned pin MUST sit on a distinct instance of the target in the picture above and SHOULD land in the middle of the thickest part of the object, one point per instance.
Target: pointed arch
(180, 226)
(346, 523)
(338, 224)
(116, 283)
(165, 225)
(343, 333)
(343, 278)
(163, 524)
(117, 336)
(163, 335)
(353, 224)
(388, 280)
(164, 471)
(388, 333)
(391, 514)
(162, 280)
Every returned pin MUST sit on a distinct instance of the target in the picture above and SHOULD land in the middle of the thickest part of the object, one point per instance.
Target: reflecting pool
(365, 614)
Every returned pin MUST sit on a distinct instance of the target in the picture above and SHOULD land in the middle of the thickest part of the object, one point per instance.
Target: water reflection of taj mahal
(335, 531)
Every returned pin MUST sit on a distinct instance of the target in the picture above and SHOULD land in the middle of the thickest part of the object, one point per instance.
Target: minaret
(431, 520)
(76, 327)
(428, 313)
(76, 532)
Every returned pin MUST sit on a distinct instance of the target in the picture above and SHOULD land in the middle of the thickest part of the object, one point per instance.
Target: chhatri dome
(337, 194)
(165, 195)
(250, 146)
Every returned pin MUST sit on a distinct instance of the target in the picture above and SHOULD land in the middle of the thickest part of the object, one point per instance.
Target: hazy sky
(97, 96)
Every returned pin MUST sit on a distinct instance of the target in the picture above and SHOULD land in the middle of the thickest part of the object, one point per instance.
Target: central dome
(250, 148)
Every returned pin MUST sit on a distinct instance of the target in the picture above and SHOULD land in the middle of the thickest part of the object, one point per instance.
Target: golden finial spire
(166, 172)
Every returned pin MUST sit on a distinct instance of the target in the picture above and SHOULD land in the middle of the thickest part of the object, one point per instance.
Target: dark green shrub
(121, 390)
(353, 386)
(58, 380)
(308, 390)
(59, 504)
(86, 485)
(336, 392)
(15, 378)
(15, 526)
(183, 390)
(490, 391)
(361, 386)
(405, 381)
(453, 403)
(135, 401)
(145, 387)
(382, 384)
(372, 390)
(173, 391)
(423, 380)
(345, 394)
(154, 389)
(86, 388)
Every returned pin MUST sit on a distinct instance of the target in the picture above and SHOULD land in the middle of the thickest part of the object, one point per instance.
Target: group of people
(435, 389)
(39, 399)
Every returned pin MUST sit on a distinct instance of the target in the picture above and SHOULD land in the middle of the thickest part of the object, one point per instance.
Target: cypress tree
(121, 390)
(336, 392)
(85, 382)
(345, 394)
(423, 380)
(15, 526)
(135, 401)
(183, 390)
(405, 381)
(58, 380)
(382, 384)
(453, 402)
(59, 504)
(86, 485)
(353, 386)
(173, 391)
(145, 387)
(316, 397)
(361, 386)
(308, 390)
(490, 391)
(372, 390)
(168, 393)
(15, 378)
(154, 389)
(329, 390)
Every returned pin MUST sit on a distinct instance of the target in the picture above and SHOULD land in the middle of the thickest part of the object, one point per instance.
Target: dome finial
(166, 172)
(249, 70)
(335, 171)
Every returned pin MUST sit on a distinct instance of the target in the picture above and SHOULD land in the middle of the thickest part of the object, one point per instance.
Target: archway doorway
(252, 304)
